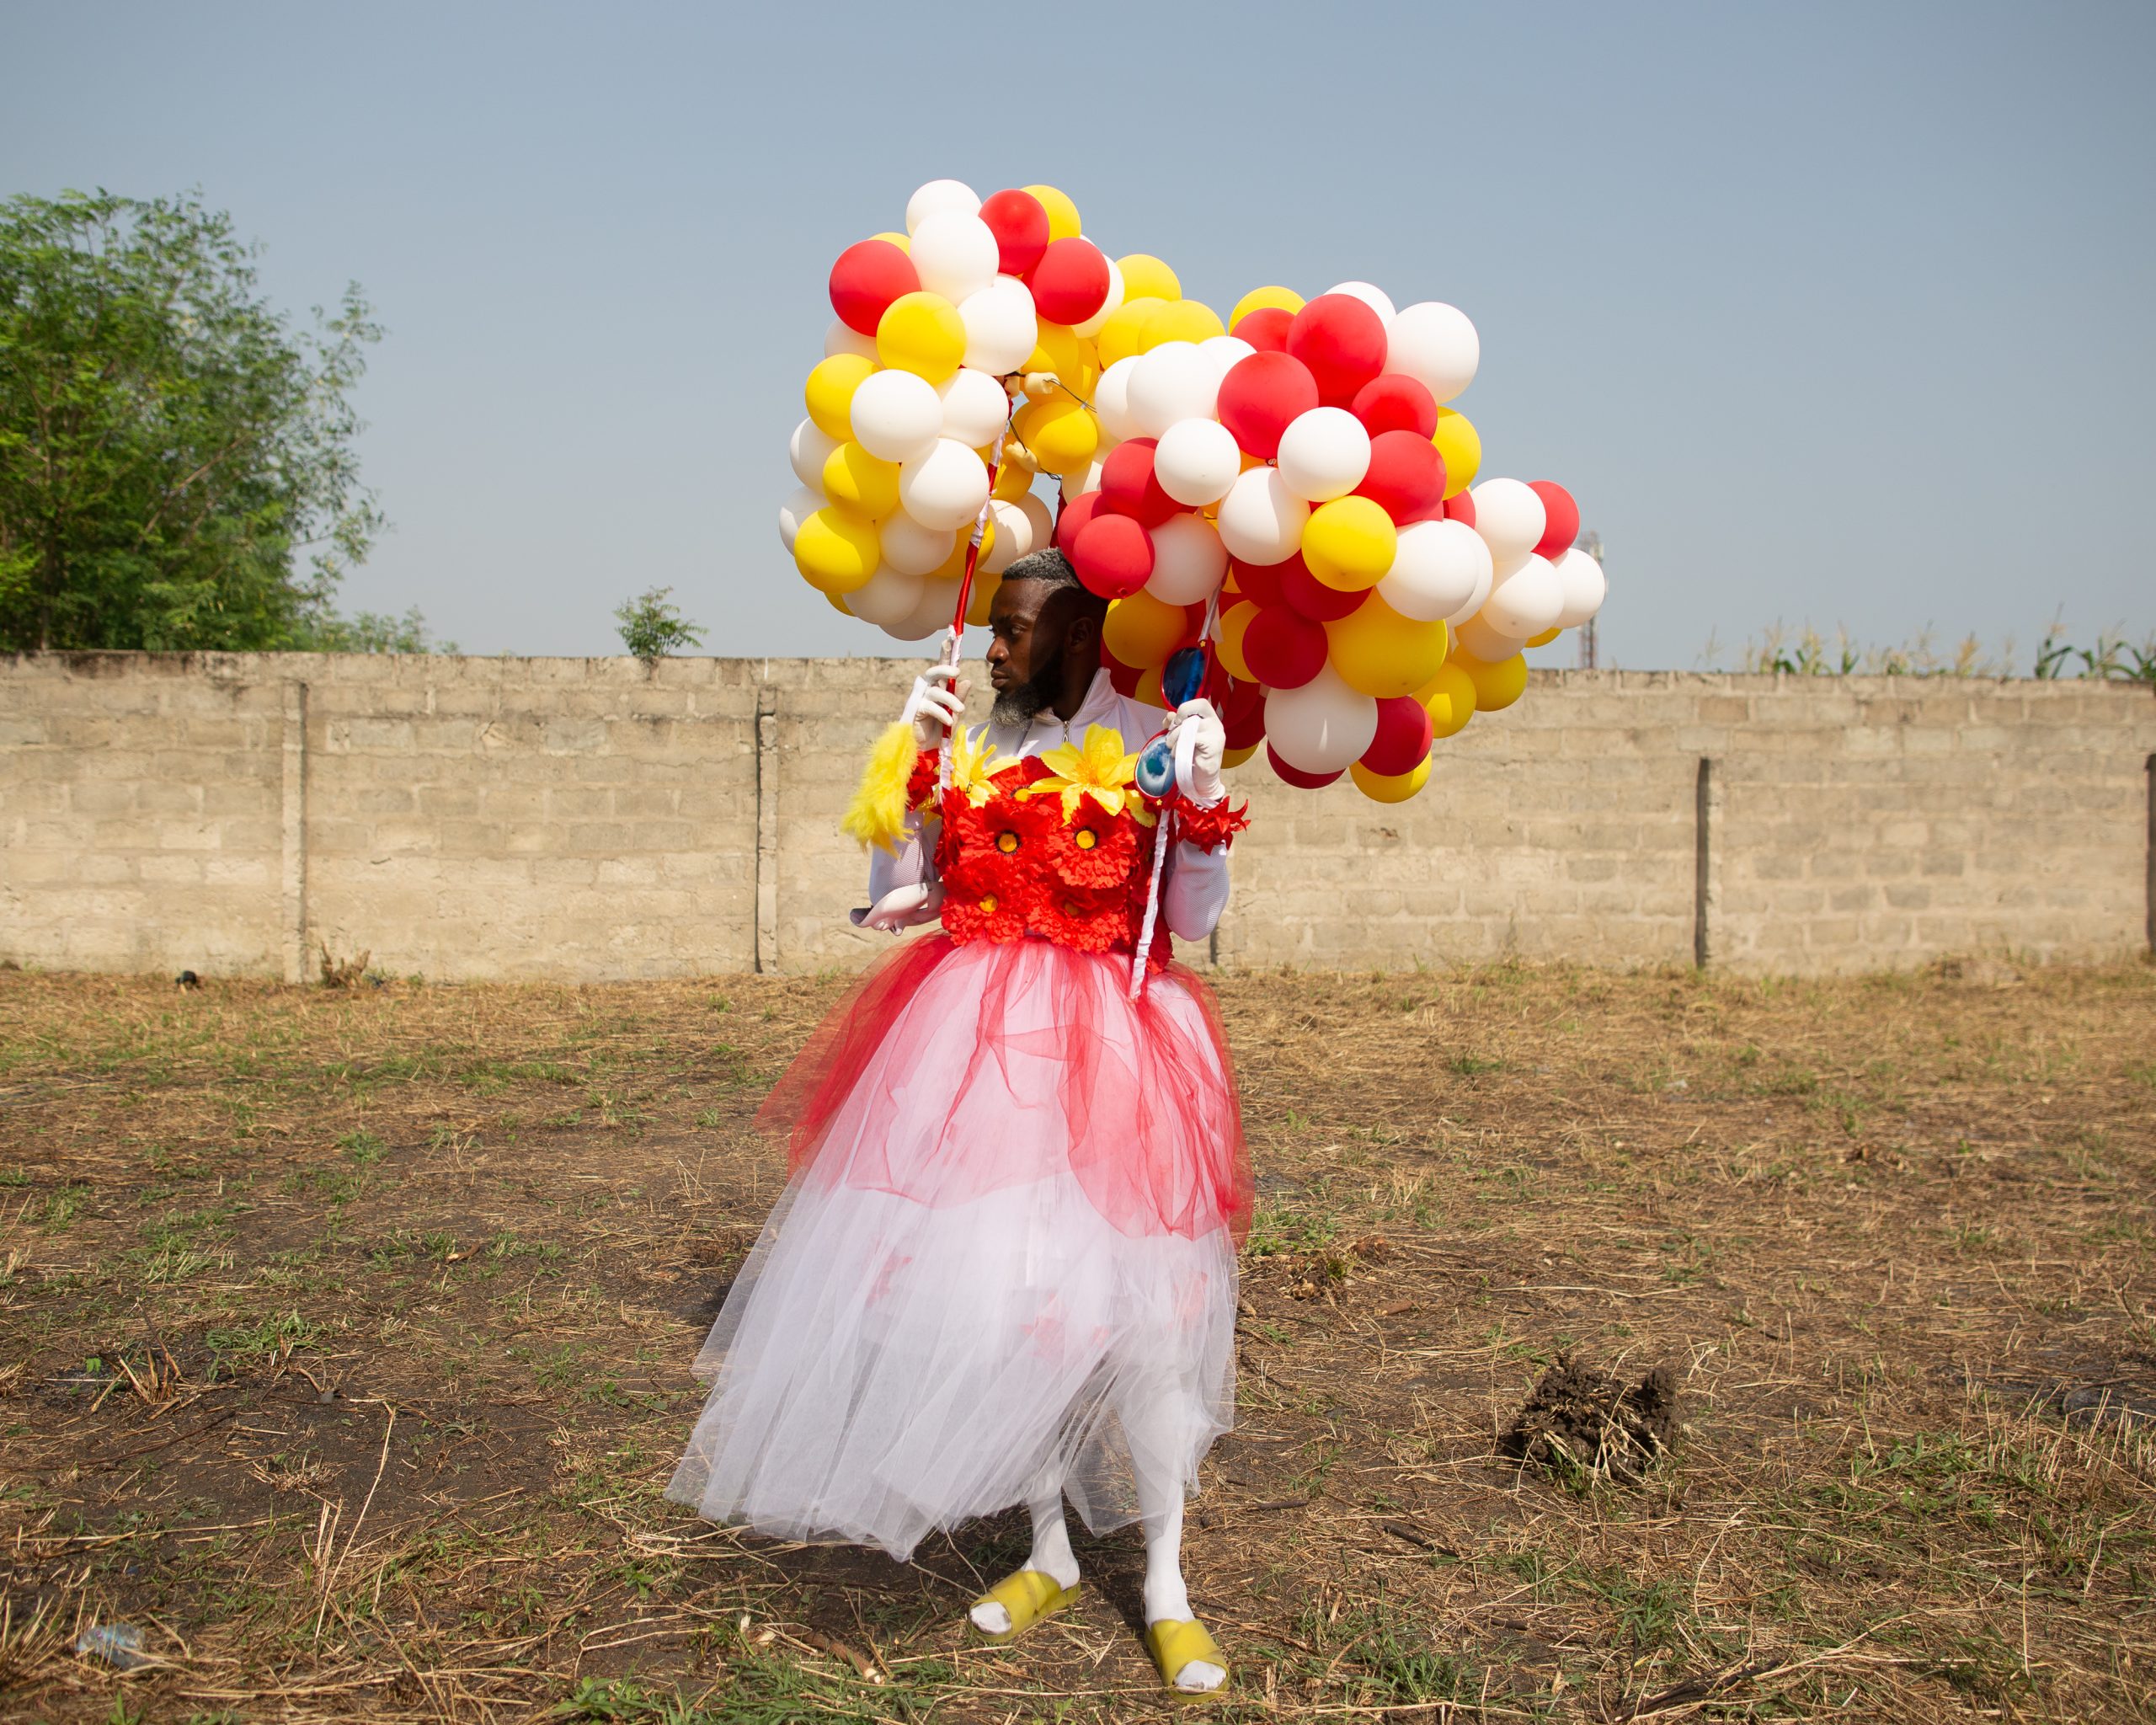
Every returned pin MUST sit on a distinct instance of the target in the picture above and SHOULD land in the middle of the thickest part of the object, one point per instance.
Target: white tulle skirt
(1005, 1259)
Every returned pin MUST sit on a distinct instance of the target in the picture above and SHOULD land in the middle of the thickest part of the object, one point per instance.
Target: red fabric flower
(1083, 920)
(974, 913)
(1093, 850)
(1208, 828)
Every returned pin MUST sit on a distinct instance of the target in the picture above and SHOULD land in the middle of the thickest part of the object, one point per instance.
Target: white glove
(1208, 742)
(935, 706)
(903, 907)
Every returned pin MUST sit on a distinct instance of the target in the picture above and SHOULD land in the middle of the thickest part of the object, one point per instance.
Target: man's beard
(1017, 706)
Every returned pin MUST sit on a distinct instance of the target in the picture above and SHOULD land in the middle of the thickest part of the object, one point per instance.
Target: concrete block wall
(473, 817)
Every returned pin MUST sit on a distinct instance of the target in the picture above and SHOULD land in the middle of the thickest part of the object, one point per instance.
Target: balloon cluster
(1290, 482)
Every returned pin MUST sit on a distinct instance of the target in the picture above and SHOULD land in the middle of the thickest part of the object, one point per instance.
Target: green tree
(651, 626)
(172, 451)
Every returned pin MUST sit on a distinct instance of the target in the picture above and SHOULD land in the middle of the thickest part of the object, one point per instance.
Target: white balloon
(1000, 329)
(1261, 520)
(1224, 352)
(1438, 567)
(1109, 306)
(1478, 640)
(897, 417)
(1585, 588)
(1322, 727)
(1434, 344)
(799, 505)
(1189, 561)
(1376, 298)
(945, 488)
(886, 597)
(1014, 536)
(930, 614)
(842, 337)
(939, 196)
(913, 549)
(975, 405)
(1196, 460)
(1112, 399)
(1486, 577)
(955, 255)
(1511, 519)
(1043, 523)
(809, 451)
(1173, 381)
(1080, 480)
(1528, 601)
(1324, 454)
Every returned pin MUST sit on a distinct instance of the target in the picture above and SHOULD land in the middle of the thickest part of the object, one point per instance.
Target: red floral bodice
(1059, 845)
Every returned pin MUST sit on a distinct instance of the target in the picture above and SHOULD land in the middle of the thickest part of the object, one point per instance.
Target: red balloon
(1113, 556)
(1129, 487)
(867, 278)
(1295, 776)
(1563, 514)
(1302, 592)
(1265, 328)
(1070, 282)
(1020, 224)
(1260, 396)
(1283, 649)
(1073, 515)
(1260, 583)
(1242, 715)
(1343, 343)
(1393, 403)
(1402, 743)
(1461, 508)
(1406, 477)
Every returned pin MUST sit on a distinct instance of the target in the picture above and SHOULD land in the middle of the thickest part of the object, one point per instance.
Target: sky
(1828, 314)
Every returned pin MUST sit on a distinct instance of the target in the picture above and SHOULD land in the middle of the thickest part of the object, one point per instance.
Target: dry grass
(345, 1336)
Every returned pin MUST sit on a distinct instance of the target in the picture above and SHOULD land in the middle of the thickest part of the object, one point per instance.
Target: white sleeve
(1196, 890)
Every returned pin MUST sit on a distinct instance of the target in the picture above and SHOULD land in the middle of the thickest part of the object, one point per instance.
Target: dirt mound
(1579, 1420)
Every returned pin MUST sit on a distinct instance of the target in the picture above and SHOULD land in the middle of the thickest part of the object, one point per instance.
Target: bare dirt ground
(344, 1338)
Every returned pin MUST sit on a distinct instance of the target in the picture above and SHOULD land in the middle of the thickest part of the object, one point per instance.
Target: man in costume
(1003, 1269)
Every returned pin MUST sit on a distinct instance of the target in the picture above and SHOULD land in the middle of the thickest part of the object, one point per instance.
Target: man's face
(1027, 622)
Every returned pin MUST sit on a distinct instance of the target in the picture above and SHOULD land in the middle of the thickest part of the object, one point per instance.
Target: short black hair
(1052, 568)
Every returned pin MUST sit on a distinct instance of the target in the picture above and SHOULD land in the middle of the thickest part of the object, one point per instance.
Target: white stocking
(1051, 1555)
(1157, 1458)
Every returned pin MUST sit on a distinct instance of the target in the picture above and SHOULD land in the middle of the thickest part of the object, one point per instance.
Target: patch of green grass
(269, 1336)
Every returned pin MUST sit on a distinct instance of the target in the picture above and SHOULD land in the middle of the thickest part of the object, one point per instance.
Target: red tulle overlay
(952, 1071)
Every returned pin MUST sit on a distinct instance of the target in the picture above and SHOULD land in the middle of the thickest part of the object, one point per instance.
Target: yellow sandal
(1174, 1643)
(1028, 1595)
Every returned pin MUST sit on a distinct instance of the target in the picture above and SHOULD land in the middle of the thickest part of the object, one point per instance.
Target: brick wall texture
(466, 818)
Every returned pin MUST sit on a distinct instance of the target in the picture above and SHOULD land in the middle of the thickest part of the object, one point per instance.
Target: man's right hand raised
(938, 701)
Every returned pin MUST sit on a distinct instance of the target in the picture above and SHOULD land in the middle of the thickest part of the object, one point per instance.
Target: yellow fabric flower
(969, 767)
(1100, 770)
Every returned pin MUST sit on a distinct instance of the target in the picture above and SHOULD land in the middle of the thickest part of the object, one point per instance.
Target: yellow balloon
(1229, 643)
(1125, 332)
(1235, 757)
(1143, 631)
(855, 478)
(1461, 446)
(1012, 482)
(922, 332)
(1070, 355)
(901, 241)
(984, 588)
(1061, 434)
(1394, 788)
(1449, 698)
(1378, 652)
(1544, 638)
(1497, 687)
(1184, 320)
(837, 604)
(828, 392)
(1150, 690)
(836, 552)
(1062, 213)
(1146, 277)
(953, 567)
(1349, 543)
(1285, 299)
